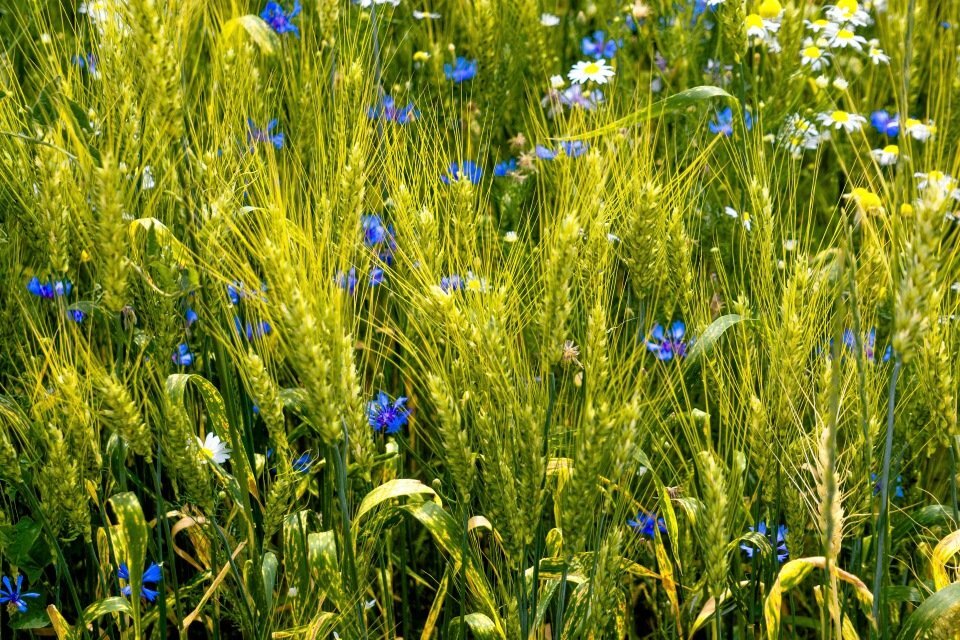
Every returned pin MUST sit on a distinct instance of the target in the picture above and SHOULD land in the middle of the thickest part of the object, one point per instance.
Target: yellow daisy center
(891, 149)
(849, 7)
(840, 116)
(754, 21)
(591, 69)
(845, 34)
(770, 9)
(811, 52)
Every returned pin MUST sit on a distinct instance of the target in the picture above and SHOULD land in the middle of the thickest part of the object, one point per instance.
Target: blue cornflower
(279, 21)
(647, 523)
(182, 357)
(49, 290)
(87, 62)
(151, 576)
(878, 486)
(573, 96)
(303, 463)
(375, 232)
(462, 71)
(782, 553)
(869, 344)
(724, 122)
(265, 135)
(190, 316)
(883, 122)
(377, 276)
(665, 346)
(574, 148)
(450, 283)
(386, 416)
(76, 315)
(347, 280)
(237, 291)
(251, 330)
(14, 596)
(597, 46)
(545, 153)
(505, 167)
(387, 109)
(467, 170)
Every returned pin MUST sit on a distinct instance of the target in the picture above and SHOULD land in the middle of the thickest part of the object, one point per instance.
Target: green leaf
(480, 626)
(268, 570)
(389, 491)
(258, 30)
(97, 610)
(142, 228)
(706, 340)
(325, 568)
(131, 544)
(23, 535)
(448, 534)
(35, 618)
(937, 617)
(676, 102)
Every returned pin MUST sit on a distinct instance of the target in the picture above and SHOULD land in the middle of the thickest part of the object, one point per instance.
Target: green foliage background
(540, 420)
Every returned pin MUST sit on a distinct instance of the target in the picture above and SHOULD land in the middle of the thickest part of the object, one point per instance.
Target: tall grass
(686, 369)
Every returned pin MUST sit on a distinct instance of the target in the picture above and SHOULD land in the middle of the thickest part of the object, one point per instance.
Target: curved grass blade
(676, 102)
(937, 617)
(705, 341)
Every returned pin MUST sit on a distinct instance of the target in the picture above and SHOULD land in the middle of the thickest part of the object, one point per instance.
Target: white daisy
(425, 15)
(848, 12)
(845, 120)
(918, 130)
(591, 70)
(510, 237)
(744, 219)
(887, 155)
(846, 38)
(557, 82)
(760, 27)
(549, 20)
(937, 180)
(799, 135)
(840, 83)
(212, 448)
(813, 56)
(474, 283)
(877, 56)
(825, 28)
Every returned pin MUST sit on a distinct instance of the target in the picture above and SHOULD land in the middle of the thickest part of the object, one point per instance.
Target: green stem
(878, 608)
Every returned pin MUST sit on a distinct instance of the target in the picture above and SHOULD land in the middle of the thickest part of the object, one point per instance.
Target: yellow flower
(849, 7)
(770, 9)
(421, 56)
(866, 199)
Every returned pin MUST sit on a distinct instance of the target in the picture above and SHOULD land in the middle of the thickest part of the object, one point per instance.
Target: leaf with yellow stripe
(792, 574)
(942, 554)
(130, 544)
